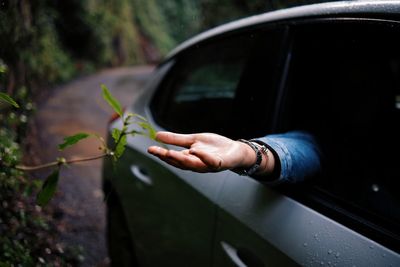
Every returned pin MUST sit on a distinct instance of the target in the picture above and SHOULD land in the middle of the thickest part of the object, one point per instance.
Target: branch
(58, 163)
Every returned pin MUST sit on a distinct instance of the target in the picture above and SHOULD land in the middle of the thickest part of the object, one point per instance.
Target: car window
(218, 86)
(344, 88)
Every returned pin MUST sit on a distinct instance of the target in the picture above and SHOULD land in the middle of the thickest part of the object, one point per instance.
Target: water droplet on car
(322, 263)
(337, 255)
(375, 188)
(330, 251)
(371, 247)
(305, 244)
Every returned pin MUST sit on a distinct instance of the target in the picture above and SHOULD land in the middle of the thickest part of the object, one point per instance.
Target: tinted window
(345, 89)
(225, 86)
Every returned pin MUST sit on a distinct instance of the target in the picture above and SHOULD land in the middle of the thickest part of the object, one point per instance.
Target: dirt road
(79, 107)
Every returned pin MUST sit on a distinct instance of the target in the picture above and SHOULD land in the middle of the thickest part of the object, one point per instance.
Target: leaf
(8, 99)
(111, 100)
(48, 189)
(73, 139)
(150, 130)
(2, 68)
(135, 115)
(119, 150)
(116, 133)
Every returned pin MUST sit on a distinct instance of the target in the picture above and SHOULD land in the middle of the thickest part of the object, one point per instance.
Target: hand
(205, 152)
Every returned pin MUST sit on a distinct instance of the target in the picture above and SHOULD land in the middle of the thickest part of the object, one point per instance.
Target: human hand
(204, 152)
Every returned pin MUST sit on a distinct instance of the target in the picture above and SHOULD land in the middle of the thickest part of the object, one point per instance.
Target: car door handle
(241, 257)
(141, 175)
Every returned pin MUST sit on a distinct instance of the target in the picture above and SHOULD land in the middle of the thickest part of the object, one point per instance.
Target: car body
(332, 69)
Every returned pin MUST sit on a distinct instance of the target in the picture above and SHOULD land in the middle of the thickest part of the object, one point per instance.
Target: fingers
(183, 140)
(180, 159)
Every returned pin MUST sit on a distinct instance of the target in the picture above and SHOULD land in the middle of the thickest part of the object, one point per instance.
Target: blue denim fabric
(298, 154)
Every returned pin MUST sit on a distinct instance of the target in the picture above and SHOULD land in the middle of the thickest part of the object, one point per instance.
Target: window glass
(215, 80)
(218, 86)
(344, 88)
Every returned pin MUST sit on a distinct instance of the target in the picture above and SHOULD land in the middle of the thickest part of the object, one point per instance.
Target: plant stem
(57, 163)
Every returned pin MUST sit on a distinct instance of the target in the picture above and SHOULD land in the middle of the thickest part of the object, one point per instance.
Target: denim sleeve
(298, 154)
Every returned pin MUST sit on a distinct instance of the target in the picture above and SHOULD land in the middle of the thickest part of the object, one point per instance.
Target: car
(332, 69)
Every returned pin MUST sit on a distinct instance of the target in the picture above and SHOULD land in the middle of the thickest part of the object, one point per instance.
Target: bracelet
(259, 150)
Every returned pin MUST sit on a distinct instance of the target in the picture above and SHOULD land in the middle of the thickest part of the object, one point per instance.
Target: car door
(343, 87)
(171, 212)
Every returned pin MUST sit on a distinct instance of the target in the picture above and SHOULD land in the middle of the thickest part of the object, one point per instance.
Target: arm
(208, 152)
(297, 155)
(205, 152)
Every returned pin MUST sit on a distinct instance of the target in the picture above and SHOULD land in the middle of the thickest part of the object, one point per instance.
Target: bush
(27, 235)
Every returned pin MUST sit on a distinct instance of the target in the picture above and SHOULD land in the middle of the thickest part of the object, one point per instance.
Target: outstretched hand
(204, 152)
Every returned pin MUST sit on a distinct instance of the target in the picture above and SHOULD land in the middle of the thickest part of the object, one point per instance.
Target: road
(69, 109)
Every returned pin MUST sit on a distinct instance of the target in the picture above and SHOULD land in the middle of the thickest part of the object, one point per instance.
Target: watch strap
(259, 150)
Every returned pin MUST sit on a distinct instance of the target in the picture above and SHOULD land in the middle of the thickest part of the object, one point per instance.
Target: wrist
(247, 156)
(252, 158)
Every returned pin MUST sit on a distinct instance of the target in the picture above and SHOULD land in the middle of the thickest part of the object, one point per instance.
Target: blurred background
(53, 41)
(53, 56)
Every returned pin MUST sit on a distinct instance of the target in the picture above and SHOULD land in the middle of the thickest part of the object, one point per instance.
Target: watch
(259, 150)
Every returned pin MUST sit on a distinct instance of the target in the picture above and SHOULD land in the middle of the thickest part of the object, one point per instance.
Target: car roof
(314, 10)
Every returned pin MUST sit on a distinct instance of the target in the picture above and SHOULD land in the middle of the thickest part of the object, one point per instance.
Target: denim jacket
(298, 155)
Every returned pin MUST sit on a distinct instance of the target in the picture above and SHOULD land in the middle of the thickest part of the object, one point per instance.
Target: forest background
(44, 43)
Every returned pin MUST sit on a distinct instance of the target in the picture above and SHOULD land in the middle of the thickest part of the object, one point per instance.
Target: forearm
(296, 154)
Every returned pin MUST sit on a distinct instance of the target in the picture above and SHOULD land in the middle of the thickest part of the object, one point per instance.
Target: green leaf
(151, 132)
(119, 150)
(2, 68)
(111, 100)
(134, 115)
(116, 133)
(8, 99)
(73, 139)
(48, 189)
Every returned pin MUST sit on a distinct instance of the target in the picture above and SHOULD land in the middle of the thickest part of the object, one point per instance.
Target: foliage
(9, 160)
(183, 18)
(111, 100)
(25, 232)
(20, 225)
(107, 26)
(49, 188)
(8, 100)
(53, 41)
(71, 140)
(153, 24)
(30, 47)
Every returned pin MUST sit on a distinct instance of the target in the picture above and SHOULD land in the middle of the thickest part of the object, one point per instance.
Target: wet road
(69, 109)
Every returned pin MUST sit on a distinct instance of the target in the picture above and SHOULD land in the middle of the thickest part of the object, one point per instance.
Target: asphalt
(79, 107)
